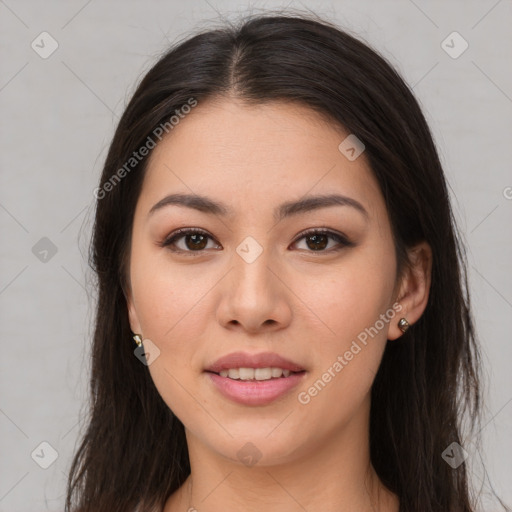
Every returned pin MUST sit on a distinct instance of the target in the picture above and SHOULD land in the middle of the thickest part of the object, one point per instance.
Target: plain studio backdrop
(67, 70)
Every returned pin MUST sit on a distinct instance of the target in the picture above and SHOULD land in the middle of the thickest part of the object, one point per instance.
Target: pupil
(320, 244)
(197, 241)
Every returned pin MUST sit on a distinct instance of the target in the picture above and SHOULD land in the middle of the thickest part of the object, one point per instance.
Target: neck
(335, 475)
(259, 493)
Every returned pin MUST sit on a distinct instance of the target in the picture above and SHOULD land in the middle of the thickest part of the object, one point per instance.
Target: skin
(306, 305)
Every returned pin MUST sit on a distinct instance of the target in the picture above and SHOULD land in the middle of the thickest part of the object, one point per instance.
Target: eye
(318, 239)
(195, 240)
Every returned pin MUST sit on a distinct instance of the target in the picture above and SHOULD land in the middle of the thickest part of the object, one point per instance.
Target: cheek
(350, 301)
(170, 303)
(348, 355)
(351, 296)
(169, 298)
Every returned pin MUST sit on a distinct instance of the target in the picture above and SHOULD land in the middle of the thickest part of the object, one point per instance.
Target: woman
(283, 320)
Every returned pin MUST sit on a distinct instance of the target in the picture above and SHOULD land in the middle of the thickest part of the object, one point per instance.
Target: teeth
(246, 373)
(233, 373)
(263, 373)
(254, 373)
(276, 372)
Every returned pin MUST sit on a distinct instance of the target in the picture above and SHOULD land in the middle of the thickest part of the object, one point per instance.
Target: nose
(254, 296)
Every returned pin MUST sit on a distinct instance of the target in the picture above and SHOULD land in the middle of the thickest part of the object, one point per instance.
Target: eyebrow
(306, 204)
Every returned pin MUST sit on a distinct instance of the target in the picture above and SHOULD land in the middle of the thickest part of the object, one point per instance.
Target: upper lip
(244, 360)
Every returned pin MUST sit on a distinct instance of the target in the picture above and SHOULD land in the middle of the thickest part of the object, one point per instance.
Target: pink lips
(254, 392)
(262, 360)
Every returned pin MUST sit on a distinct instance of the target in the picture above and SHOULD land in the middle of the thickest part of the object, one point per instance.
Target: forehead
(253, 155)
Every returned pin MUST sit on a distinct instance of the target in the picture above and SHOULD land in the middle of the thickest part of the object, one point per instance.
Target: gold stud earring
(138, 339)
(403, 324)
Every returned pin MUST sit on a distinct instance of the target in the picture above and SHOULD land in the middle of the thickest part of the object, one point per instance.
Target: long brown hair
(133, 454)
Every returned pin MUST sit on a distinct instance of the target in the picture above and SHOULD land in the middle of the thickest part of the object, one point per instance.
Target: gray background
(58, 116)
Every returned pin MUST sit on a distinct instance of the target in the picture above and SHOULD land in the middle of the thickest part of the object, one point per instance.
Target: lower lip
(255, 392)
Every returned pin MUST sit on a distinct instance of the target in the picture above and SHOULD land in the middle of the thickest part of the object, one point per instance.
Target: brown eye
(318, 240)
(197, 241)
(194, 240)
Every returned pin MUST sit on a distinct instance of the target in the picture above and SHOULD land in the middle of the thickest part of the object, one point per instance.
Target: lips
(245, 360)
(254, 392)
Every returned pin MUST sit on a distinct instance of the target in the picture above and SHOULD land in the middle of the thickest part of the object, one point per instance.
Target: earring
(138, 339)
(403, 324)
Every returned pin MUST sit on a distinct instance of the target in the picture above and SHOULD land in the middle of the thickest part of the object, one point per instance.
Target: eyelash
(180, 233)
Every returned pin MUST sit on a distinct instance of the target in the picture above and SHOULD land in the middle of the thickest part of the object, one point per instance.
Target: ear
(132, 312)
(414, 288)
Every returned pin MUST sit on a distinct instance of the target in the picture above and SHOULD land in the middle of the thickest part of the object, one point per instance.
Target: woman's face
(252, 282)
